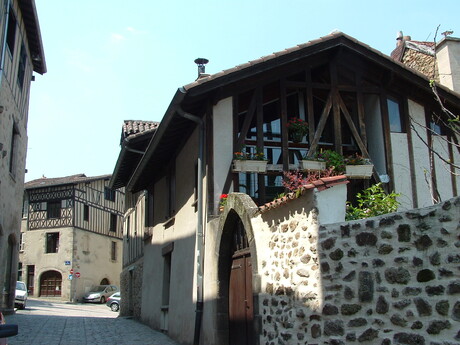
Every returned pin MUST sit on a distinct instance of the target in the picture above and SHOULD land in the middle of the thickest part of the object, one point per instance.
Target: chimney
(399, 38)
(201, 63)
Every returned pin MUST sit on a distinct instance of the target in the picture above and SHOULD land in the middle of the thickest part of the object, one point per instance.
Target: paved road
(49, 322)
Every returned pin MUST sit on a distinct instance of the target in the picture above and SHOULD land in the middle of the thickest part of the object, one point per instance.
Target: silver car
(99, 293)
(20, 298)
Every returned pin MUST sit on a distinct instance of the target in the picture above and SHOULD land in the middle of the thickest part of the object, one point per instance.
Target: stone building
(21, 55)
(252, 273)
(70, 236)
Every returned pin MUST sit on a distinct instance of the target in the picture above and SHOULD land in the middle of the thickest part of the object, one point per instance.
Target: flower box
(249, 166)
(312, 165)
(359, 171)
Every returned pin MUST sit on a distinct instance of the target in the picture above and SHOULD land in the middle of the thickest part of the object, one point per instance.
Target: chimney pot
(201, 62)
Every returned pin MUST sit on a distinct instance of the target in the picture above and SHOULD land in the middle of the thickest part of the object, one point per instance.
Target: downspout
(199, 228)
(5, 29)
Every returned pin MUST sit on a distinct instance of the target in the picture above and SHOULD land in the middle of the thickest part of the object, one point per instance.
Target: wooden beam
(335, 106)
(310, 107)
(361, 111)
(321, 125)
(387, 138)
(410, 150)
(246, 124)
(260, 138)
(284, 129)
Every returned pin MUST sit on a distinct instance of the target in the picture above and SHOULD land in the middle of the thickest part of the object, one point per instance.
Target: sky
(115, 60)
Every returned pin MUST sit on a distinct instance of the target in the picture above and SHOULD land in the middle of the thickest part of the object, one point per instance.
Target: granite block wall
(393, 279)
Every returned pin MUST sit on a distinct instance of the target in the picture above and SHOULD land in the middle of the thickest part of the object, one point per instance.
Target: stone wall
(131, 290)
(393, 279)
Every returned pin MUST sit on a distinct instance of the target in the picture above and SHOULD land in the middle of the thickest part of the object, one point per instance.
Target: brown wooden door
(30, 279)
(51, 284)
(241, 309)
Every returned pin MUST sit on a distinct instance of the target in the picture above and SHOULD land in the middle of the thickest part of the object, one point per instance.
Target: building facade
(21, 55)
(198, 262)
(70, 236)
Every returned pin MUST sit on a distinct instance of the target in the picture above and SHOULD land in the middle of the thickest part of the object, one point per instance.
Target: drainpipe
(199, 228)
(5, 29)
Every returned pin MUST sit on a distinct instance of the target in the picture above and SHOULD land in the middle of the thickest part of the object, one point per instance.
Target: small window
(53, 209)
(22, 244)
(11, 34)
(86, 213)
(171, 185)
(113, 254)
(52, 242)
(436, 128)
(394, 116)
(22, 66)
(109, 194)
(13, 149)
(113, 222)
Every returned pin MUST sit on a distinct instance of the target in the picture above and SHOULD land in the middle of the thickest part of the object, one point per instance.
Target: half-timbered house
(71, 236)
(21, 54)
(355, 99)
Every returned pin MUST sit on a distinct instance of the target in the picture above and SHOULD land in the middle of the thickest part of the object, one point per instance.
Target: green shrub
(372, 202)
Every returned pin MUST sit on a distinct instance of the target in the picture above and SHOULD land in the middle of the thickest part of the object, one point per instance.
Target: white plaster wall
(448, 57)
(223, 144)
(331, 204)
(443, 176)
(181, 231)
(421, 155)
(374, 132)
(401, 170)
(93, 260)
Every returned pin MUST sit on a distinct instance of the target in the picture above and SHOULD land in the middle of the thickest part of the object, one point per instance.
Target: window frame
(52, 243)
(53, 209)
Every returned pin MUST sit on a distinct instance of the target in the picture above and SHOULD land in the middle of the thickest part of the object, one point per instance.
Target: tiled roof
(133, 127)
(73, 179)
(320, 184)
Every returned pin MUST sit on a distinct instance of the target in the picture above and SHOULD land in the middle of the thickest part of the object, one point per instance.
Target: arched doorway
(240, 294)
(105, 281)
(51, 284)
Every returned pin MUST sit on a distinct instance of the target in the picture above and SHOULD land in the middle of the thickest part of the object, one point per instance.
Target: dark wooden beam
(310, 108)
(284, 129)
(410, 150)
(335, 106)
(246, 124)
(361, 111)
(260, 138)
(321, 125)
(387, 138)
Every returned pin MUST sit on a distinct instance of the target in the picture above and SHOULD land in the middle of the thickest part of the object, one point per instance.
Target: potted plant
(250, 162)
(297, 128)
(222, 201)
(334, 160)
(357, 166)
(315, 163)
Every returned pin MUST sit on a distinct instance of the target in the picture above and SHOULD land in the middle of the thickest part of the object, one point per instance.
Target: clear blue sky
(111, 60)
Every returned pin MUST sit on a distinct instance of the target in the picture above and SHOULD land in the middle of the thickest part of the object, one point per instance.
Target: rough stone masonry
(393, 279)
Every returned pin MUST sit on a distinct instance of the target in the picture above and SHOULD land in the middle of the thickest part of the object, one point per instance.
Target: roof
(320, 184)
(135, 136)
(418, 55)
(174, 128)
(67, 180)
(34, 38)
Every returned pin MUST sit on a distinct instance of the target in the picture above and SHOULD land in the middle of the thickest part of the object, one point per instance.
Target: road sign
(67, 262)
(71, 271)
(70, 277)
(77, 274)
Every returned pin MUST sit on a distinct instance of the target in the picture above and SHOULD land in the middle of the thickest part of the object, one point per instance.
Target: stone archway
(237, 269)
(105, 281)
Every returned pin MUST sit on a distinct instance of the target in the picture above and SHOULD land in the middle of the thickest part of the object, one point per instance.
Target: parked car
(21, 295)
(99, 293)
(114, 301)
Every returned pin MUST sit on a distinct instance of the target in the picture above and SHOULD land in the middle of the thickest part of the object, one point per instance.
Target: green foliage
(372, 202)
(334, 160)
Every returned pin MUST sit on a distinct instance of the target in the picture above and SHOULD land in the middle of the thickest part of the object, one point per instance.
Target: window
(22, 244)
(128, 228)
(394, 116)
(20, 273)
(53, 209)
(11, 34)
(86, 213)
(22, 66)
(113, 254)
(113, 222)
(52, 242)
(14, 148)
(109, 194)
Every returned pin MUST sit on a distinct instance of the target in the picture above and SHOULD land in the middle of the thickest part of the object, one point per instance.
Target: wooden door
(51, 284)
(241, 309)
(30, 279)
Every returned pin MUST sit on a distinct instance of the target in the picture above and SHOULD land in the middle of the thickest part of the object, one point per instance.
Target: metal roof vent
(201, 63)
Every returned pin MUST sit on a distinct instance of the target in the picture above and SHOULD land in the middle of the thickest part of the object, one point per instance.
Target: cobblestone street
(52, 322)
